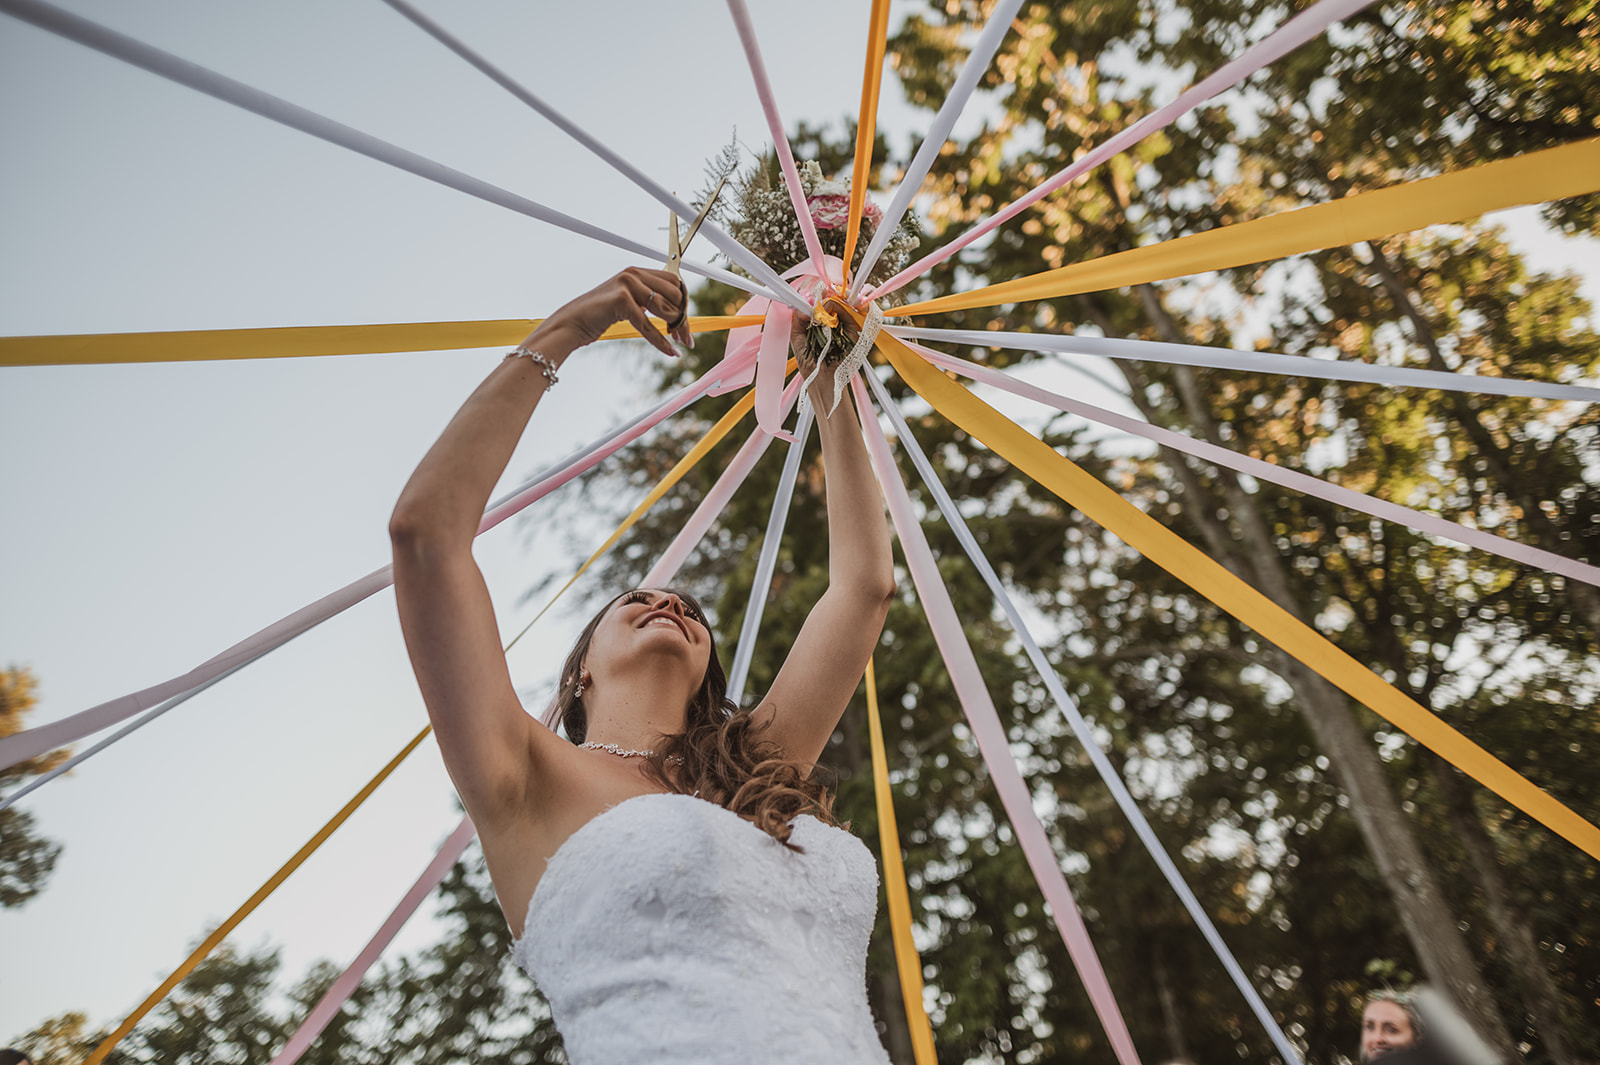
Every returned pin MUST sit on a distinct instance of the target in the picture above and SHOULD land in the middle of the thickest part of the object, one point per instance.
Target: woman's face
(1385, 1027)
(656, 631)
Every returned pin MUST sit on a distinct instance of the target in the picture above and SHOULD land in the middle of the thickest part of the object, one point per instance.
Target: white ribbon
(776, 520)
(1252, 361)
(983, 50)
(171, 67)
(724, 242)
(1431, 524)
(1080, 728)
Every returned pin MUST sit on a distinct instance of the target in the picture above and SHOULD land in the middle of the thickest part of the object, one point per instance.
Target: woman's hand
(632, 296)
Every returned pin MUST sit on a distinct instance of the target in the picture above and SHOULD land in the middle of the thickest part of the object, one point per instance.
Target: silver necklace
(611, 748)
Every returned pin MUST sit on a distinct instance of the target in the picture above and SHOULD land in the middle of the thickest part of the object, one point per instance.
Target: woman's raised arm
(814, 686)
(491, 747)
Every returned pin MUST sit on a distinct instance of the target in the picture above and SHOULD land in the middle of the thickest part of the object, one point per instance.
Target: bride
(673, 873)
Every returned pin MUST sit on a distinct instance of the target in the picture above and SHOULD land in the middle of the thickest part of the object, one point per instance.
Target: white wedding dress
(669, 930)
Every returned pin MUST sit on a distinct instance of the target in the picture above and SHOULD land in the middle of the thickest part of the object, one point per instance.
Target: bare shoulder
(575, 787)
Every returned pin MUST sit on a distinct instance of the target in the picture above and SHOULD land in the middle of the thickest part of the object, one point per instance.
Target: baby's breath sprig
(760, 215)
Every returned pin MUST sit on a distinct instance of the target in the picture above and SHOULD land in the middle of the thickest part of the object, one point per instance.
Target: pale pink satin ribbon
(1290, 35)
(694, 530)
(37, 741)
(769, 342)
(990, 733)
(780, 140)
(328, 1006)
(1075, 720)
(1431, 524)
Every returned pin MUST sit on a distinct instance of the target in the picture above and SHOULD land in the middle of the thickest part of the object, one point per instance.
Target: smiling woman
(731, 919)
(712, 751)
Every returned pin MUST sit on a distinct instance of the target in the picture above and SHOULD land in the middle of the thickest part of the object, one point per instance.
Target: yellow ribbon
(296, 341)
(713, 437)
(907, 960)
(866, 126)
(110, 1042)
(1554, 174)
(1160, 545)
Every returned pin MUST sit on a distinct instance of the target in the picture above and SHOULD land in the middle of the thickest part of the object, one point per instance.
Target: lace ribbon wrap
(846, 368)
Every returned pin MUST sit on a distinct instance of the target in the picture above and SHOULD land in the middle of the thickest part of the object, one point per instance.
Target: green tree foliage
(26, 858)
(461, 1000)
(218, 1014)
(1183, 693)
(1204, 716)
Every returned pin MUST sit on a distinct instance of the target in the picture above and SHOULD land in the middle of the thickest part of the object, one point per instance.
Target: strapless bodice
(669, 930)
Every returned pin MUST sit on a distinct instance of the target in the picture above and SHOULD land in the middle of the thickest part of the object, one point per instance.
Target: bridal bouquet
(761, 215)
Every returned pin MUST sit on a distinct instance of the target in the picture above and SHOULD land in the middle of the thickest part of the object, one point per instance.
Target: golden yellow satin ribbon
(297, 341)
(907, 960)
(110, 1042)
(713, 437)
(1554, 174)
(866, 126)
(1172, 553)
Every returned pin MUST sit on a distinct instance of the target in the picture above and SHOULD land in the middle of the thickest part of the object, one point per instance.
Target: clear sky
(155, 514)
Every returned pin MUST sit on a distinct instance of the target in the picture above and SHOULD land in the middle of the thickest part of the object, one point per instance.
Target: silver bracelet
(546, 367)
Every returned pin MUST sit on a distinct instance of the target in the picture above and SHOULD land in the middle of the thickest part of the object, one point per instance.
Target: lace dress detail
(669, 930)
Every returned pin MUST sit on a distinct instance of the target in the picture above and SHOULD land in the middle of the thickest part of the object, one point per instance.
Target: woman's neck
(634, 715)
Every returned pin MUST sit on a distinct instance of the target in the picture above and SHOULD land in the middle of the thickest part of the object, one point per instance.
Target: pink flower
(829, 210)
(872, 213)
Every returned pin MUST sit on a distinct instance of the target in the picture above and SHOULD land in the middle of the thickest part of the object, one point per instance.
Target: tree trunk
(1512, 928)
(897, 1029)
(1387, 831)
(1585, 598)
(1177, 1048)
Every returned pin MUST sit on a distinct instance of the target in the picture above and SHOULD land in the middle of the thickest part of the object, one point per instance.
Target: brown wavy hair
(721, 756)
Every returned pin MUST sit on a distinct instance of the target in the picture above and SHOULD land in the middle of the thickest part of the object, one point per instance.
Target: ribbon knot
(769, 342)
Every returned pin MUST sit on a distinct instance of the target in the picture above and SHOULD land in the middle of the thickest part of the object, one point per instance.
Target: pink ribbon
(37, 741)
(991, 735)
(768, 343)
(780, 140)
(1289, 36)
(1432, 524)
(328, 1006)
(694, 530)
(771, 365)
